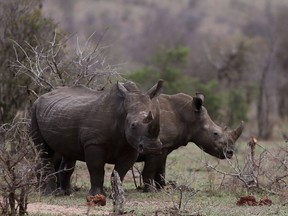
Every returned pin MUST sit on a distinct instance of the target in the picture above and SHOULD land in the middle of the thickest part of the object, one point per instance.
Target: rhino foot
(62, 192)
(149, 188)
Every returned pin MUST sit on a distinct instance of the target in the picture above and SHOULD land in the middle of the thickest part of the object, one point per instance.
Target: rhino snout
(147, 146)
(229, 153)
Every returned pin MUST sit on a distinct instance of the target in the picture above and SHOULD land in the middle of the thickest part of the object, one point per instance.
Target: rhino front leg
(124, 163)
(159, 177)
(149, 172)
(154, 169)
(95, 161)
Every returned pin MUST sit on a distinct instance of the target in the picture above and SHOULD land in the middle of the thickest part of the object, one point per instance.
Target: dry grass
(186, 166)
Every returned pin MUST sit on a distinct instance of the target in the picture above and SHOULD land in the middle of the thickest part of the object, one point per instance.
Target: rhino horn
(122, 91)
(154, 128)
(235, 134)
(154, 123)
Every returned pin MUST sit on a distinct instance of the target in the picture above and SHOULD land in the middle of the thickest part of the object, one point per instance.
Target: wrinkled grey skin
(97, 127)
(184, 120)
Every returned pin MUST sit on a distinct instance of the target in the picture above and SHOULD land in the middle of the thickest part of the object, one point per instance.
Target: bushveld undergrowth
(18, 163)
(198, 184)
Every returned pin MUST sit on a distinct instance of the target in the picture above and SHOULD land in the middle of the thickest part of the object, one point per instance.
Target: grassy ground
(207, 192)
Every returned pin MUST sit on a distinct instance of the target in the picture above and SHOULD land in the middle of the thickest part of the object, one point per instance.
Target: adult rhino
(97, 127)
(184, 119)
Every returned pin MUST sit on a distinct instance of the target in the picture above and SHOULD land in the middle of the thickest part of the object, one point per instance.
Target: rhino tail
(36, 136)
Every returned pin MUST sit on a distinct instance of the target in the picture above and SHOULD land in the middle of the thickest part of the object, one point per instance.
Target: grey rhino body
(97, 127)
(184, 120)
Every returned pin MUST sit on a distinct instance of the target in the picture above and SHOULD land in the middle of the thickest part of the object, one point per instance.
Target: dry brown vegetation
(18, 168)
(197, 189)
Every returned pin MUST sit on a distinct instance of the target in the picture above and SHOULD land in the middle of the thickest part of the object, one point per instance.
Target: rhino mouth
(149, 146)
(142, 150)
(226, 155)
(221, 154)
(145, 145)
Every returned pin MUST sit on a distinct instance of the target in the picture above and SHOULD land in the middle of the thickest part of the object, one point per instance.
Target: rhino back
(70, 118)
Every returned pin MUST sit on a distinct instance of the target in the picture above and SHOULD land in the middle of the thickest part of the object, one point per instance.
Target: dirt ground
(211, 200)
(36, 208)
(52, 209)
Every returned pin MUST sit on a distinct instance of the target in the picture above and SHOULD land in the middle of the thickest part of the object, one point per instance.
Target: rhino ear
(122, 91)
(156, 89)
(198, 101)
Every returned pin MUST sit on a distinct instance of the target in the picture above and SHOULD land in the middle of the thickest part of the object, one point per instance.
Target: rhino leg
(45, 177)
(67, 169)
(45, 169)
(154, 169)
(57, 160)
(149, 171)
(125, 162)
(159, 177)
(95, 161)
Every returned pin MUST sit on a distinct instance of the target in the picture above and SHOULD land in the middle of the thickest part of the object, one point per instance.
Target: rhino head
(142, 123)
(213, 139)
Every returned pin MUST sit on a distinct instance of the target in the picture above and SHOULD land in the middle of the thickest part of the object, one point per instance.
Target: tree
(170, 65)
(21, 21)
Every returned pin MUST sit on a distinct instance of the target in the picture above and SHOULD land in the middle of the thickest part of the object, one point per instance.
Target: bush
(18, 161)
(21, 21)
(237, 107)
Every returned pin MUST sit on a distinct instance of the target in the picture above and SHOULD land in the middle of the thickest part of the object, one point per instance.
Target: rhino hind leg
(66, 171)
(45, 169)
(49, 184)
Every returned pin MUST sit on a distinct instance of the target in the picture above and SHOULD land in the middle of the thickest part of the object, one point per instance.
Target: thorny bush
(18, 161)
(264, 169)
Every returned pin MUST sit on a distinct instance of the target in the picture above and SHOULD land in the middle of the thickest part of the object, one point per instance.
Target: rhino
(98, 127)
(184, 119)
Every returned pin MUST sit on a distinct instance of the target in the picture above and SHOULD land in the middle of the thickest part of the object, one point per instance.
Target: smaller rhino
(184, 119)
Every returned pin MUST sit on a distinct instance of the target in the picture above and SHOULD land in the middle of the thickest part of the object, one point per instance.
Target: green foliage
(21, 21)
(214, 100)
(237, 107)
(170, 65)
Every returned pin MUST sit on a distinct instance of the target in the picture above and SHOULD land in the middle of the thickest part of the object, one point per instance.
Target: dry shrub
(262, 169)
(65, 62)
(18, 162)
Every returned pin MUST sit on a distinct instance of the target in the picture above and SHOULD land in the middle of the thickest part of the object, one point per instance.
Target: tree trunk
(265, 125)
(264, 109)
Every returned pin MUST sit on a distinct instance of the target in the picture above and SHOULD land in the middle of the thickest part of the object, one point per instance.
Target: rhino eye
(215, 133)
